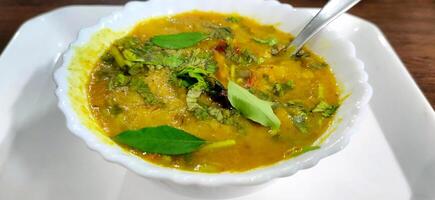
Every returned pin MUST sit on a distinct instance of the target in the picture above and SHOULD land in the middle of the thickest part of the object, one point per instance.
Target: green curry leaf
(164, 139)
(252, 107)
(178, 41)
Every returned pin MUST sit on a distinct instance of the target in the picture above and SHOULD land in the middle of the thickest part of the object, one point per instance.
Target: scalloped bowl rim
(336, 141)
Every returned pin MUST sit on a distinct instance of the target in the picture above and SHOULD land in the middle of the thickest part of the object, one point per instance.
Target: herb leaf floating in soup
(161, 139)
(210, 92)
(252, 107)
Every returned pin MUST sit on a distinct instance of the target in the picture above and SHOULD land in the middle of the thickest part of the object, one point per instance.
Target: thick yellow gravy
(119, 109)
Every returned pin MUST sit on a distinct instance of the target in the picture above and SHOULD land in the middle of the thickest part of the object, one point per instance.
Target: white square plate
(391, 157)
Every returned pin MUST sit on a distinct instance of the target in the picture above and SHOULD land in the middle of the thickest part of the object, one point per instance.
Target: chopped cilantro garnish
(280, 88)
(143, 90)
(223, 33)
(268, 41)
(241, 57)
(299, 120)
(232, 19)
(326, 109)
(118, 81)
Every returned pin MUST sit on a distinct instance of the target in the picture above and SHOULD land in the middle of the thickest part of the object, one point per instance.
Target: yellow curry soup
(187, 73)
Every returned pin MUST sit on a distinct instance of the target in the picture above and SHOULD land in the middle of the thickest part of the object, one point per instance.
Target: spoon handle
(329, 12)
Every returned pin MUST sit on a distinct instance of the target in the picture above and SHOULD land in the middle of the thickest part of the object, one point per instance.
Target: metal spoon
(329, 12)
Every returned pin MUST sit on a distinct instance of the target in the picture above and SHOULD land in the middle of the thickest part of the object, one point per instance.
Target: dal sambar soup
(209, 92)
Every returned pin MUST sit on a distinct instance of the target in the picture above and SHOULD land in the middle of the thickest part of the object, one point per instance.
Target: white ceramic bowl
(5, 140)
(339, 53)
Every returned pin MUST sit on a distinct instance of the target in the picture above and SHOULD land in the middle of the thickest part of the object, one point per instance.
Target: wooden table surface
(408, 24)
